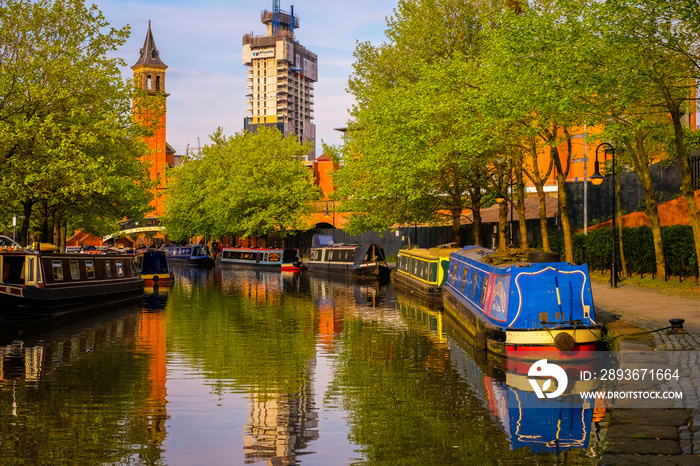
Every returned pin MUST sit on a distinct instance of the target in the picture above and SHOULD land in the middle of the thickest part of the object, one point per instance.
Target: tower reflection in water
(78, 381)
(283, 421)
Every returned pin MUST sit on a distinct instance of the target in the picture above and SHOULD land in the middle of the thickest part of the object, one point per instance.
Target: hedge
(678, 243)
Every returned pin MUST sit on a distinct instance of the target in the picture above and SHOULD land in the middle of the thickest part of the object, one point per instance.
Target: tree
(68, 143)
(249, 184)
(420, 142)
(537, 64)
(645, 86)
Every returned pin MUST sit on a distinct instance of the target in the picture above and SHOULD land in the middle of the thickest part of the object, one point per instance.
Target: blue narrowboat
(192, 254)
(516, 308)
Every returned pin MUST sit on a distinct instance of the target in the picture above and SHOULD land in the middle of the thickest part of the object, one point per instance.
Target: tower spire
(149, 54)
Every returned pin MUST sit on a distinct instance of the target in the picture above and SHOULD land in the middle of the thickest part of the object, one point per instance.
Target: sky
(201, 42)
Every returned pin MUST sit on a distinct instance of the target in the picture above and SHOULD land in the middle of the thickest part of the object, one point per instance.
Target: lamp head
(596, 178)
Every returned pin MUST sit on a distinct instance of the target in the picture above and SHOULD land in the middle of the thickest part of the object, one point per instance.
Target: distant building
(281, 75)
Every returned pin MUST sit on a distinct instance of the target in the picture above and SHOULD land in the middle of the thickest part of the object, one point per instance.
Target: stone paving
(668, 435)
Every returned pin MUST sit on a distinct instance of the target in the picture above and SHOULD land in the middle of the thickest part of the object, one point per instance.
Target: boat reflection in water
(552, 425)
(78, 361)
(155, 297)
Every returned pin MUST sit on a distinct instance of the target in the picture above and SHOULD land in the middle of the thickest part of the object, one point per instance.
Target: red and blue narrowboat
(516, 308)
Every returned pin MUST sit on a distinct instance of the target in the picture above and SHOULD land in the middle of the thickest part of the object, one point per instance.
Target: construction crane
(275, 16)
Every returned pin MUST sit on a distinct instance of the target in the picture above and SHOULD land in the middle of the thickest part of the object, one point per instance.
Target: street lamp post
(596, 178)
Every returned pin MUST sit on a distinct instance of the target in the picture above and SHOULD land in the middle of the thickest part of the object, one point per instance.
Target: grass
(688, 288)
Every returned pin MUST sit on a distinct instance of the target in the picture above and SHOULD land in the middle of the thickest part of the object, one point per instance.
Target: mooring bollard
(676, 326)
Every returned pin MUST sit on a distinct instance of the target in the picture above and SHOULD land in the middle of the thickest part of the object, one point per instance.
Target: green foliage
(68, 142)
(679, 250)
(246, 185)
(420, 143)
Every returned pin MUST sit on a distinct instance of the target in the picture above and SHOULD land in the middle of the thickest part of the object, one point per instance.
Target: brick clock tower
(149, 76)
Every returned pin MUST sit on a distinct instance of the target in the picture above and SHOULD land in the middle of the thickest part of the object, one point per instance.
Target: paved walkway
(654, 436)
(646, 308)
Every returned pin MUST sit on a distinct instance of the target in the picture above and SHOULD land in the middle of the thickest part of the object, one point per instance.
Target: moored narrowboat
(423, 271)
(517, 308)
(37, 282)
(353, 260)
(191, 254)
(286, 260)
(154, 267)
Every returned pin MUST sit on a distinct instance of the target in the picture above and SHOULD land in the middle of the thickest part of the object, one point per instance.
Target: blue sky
(200, 41)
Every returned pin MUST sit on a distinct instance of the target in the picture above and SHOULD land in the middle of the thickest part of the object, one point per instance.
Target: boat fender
(480, 340)
(564, 342)
(156, 278)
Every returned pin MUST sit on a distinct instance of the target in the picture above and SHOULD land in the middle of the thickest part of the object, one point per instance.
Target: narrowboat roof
(478, 253)
(429, 253)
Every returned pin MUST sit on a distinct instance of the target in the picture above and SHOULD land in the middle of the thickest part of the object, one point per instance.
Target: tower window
(157, 83)
(148, 82)
(153, 54)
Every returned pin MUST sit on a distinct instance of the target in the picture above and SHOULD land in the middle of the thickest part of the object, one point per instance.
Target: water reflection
(234, 366)
(85, 392)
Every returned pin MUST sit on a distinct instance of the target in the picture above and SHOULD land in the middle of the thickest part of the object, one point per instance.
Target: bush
(678, 243)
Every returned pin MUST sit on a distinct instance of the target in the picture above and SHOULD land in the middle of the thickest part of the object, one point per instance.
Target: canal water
(230, 367)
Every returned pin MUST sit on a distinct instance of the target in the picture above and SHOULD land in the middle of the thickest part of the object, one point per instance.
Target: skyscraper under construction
(281, 75)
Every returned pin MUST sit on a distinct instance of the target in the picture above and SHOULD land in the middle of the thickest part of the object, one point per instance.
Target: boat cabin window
(12, 270)
(74, 270)
(433, 272)
(120, 269)
(484, 287)
(31, 270)
(474, 284)
(108, 269)
(454, 274)
(57, 268)
(464, 278)
(90, 269)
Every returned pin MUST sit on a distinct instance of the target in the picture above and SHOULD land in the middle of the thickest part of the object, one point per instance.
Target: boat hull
(419, 287)
(80, 298)
(523, 342)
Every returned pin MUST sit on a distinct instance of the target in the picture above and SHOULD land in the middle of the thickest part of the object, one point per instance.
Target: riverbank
(637, 319)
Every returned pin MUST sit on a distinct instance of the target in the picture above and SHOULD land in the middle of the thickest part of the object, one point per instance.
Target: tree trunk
(476, 221)
(27, 206)
(520, 207)
(687, 183)
(640, 161)
(456, 217)
(561, 191)
(543, 219)
(502, 223)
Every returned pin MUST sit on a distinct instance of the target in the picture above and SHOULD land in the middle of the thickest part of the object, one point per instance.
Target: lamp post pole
(597, 179)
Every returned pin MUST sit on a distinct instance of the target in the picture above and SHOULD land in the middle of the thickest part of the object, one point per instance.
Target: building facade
(149, 77)
(281, 76)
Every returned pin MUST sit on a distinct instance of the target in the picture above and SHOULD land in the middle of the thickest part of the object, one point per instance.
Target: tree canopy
(248, 184)
(69, 148)
(464, 95)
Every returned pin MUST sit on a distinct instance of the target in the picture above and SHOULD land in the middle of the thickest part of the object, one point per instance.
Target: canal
(245, 367)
